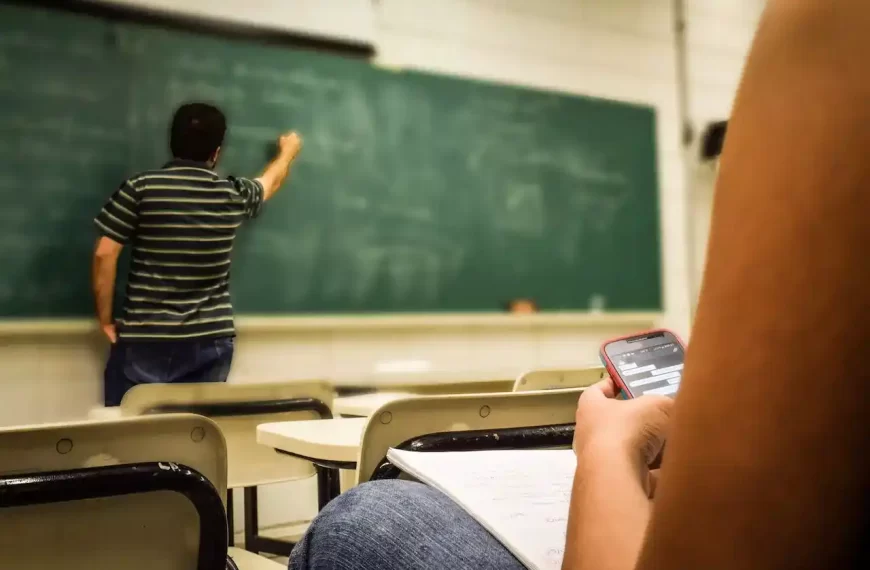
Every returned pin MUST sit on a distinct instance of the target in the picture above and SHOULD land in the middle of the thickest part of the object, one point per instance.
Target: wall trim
(320, 323)
(211, 26)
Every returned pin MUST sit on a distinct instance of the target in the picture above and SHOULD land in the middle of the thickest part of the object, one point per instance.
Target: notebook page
(521, 497)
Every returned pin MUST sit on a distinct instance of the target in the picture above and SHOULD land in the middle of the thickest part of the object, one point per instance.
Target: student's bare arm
(767, 463)
(276, 172)
(103, 273)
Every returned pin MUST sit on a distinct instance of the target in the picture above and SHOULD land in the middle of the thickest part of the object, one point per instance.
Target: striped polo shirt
(181, 221)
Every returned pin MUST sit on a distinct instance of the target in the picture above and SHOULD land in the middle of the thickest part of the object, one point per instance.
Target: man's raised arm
(276, 172)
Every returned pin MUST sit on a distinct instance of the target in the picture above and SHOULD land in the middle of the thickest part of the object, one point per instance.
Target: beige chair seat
(248, 561)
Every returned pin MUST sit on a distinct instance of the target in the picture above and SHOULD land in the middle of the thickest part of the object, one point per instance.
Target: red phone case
(611, 369)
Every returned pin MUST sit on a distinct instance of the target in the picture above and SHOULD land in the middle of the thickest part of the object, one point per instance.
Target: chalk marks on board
(407, 116)
(408, 213)
(327, 145)
(22, 39)
(191, 63)
(292, 253)
(63, 126)
(282, 99)
(411, 273)
(351, 202)
(308, 79)
(38, 293)
(182, 90)
(54, 88)
(360, 262)
(252, 133)
(352, 274)
(517, 177)
(579, 165)
(297, 78)
(85, 50)
(522, 210)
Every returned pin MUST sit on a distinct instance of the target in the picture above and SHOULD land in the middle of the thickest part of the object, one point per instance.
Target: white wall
(347, 19)
(618, 49)
(719, 36)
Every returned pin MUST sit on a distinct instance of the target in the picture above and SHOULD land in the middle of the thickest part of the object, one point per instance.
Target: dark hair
(511, 305)
(197, 132)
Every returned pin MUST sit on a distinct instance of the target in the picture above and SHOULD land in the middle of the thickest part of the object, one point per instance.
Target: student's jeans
(167, 362)
(398, 525)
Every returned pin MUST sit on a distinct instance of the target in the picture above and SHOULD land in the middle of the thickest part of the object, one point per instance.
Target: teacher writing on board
(176, 324)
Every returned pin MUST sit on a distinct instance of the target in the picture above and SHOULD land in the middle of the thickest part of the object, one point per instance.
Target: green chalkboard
(414, 192)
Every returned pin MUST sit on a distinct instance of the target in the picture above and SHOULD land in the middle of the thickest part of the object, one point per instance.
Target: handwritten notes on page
(521, 497)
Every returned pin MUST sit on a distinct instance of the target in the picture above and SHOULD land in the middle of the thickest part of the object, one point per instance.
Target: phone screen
(648, 364)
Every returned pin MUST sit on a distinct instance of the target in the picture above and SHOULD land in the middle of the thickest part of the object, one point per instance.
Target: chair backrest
(401, 420)
(158, 529)
(435, 382)
(559, 379)
(238, 409)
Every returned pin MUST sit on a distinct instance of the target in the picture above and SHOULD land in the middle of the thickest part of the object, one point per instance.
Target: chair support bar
(533, 437)
(228, 409)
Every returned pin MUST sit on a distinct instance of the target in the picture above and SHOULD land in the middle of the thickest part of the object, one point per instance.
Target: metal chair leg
(231, 521)
(253, 541)
(252, 519)
(328, 485)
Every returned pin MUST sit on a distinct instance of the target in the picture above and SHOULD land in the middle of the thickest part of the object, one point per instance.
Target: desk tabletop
(329, 440)
(364, 405)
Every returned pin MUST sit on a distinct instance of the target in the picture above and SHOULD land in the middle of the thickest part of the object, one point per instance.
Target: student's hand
(110, 332)
(610, 431)
(290, 144)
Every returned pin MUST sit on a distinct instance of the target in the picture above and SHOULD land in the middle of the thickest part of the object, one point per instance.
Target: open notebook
(521, 497)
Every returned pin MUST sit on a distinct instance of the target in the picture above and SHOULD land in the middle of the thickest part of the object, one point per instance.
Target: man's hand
(290, 144)
(110, 332)
(276, 172)
(104, 270)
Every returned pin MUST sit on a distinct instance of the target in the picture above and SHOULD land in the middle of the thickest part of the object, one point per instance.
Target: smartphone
(646, 363)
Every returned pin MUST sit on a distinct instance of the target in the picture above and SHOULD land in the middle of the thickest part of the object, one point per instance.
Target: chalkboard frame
(211, 26)
(366, 322)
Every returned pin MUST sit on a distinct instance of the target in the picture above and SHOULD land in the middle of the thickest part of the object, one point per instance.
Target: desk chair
(466, 422)
(559, 379)
(238, 409)
(136, 494)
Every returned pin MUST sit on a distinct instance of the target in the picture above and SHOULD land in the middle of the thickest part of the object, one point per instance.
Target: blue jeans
(393, 525)
(184, 361)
